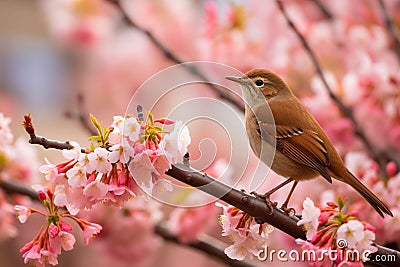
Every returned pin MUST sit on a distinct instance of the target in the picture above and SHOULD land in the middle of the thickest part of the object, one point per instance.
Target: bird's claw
(290, 211)
(271, 204)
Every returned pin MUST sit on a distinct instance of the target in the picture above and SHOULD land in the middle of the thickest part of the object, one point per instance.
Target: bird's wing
(300, 145)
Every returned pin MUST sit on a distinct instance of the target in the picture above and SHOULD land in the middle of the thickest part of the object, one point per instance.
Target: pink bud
(353, 213)
(391, 169)
(331, 204)
(65, 226)
(49, 193)
(53, 230)
(165, 121)
(374, 166)
(368, 226)
(42, 195)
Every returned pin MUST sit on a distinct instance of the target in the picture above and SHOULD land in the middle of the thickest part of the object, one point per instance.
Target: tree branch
(174, 58)
(206, 244)
(394, 31)
(381, 157)
(327, 14)
(254, 206)
(16, 188)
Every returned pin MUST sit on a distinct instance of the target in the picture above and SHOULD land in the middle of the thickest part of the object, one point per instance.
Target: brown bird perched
(303, 150)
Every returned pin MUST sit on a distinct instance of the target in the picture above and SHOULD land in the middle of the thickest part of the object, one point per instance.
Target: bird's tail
(372, 199)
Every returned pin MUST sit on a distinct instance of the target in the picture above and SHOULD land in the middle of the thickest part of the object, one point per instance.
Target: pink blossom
(309, 218)
(247, 235)
(98, 160)
(90, 230)
(115, 136)
(6, 137)
(95, 190)
(74, 153)
(174, 144)
(391, 168)
(131, 128)
(188, 223)
(55, 233)
(121, 153)
(7, 227)
(352, 232)
(366, 242)
(67, 240)
(49, 170)
(133, 238)
(80, 24)
(350, 264)
(77, 175)
(23, 213)
(143, 170)
(31, 253)
(210, 19)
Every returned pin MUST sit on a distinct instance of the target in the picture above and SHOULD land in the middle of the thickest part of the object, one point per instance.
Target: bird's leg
(273, 190)
(266, 196)
(284, 205)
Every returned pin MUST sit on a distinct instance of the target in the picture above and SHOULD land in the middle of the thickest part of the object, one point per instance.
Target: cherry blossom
(188, 223)
(74, 153)
(132, 238)
(351, 232)
(131, 128)
(98, 160)
(247, 235)
(6, 137)
(121, 153)
(335, 230)
(174, 144)
(55, 234)
(77, 175)
(7, 227)
(23, 213)
(309, 218)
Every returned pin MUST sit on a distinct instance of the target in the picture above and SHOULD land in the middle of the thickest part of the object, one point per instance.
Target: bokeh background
(62, 59)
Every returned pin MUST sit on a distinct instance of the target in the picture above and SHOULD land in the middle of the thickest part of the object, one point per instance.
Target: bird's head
(259, 85)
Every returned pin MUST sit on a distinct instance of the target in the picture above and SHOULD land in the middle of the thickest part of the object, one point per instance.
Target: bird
(276, 121)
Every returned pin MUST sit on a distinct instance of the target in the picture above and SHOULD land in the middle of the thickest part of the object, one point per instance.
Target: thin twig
(83, 116)
(174, 58)
(394, 31)
(381, 157)
(255, 206)
(12, 187)
(327, 14)
(42, 141)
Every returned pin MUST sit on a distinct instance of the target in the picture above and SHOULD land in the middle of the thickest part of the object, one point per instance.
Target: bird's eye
(259, 82)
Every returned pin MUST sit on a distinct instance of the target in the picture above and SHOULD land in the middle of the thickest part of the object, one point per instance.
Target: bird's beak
(235, 79)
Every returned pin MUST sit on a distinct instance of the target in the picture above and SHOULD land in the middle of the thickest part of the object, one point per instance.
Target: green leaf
(91, 147)
(95, 138)
(340, 203)
(95, 121)
(151, 117)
